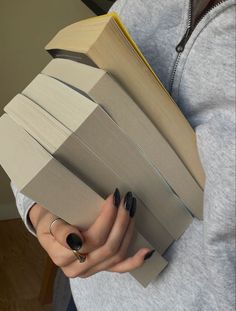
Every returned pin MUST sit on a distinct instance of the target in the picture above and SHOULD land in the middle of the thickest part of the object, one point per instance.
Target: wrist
(34, 214)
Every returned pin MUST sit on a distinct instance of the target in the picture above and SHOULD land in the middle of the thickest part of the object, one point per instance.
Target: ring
(53, 222)
(81, 257)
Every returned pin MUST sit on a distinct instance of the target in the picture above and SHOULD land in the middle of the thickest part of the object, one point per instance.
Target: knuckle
(71, 274)
(122, 222)
(58, 261)
(107, 252)
(75, 273)
(110, 250)
(98, 242)
(119, 257)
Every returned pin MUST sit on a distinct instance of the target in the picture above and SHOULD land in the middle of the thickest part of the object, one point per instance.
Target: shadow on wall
(25, 28)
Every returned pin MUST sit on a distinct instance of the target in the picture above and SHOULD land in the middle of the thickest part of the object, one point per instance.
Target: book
(83, 128)
(69, 150)
(87, 41)
(34, 168)
(102, 88)
(102, 135)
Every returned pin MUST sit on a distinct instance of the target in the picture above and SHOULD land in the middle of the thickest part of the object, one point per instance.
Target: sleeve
(23, 205)
(216, 144)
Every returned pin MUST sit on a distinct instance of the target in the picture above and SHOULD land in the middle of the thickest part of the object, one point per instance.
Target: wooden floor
(22, 262)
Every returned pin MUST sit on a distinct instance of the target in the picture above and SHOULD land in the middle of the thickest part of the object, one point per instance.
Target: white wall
(25, 28)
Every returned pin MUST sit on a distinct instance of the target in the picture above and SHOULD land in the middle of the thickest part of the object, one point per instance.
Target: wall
(25, 28)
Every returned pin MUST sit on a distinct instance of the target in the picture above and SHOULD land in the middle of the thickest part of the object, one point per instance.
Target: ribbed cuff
(24, 205)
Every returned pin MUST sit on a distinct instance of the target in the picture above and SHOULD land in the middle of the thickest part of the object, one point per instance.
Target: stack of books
(97, 118)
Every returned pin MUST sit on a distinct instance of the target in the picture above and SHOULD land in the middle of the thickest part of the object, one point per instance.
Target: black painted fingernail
(133, 207)
(128, 194)
(128, 200)
(74, 241)
(116, 198)
(149, 254)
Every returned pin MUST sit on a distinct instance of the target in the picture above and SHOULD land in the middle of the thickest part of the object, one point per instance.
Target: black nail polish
(128, 201)
(149, 254)
(128, 194)
(133, 207)
(74, 241)
(116, 198)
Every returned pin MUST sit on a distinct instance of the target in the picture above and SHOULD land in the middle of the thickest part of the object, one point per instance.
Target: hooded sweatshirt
(200, 76)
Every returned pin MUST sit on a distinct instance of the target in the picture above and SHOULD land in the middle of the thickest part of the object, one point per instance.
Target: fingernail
(133, 207)
(128, 200)
(116, 198)
(74, 241)
(149, 254)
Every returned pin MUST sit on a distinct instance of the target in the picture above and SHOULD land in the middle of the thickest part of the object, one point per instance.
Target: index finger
(96, 235)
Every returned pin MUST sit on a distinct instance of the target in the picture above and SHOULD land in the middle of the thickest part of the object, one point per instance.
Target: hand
(106, 241)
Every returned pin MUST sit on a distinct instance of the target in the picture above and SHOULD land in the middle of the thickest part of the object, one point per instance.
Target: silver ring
(53, 222)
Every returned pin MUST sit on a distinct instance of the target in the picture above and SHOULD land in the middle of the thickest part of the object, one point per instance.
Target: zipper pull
(180, 47)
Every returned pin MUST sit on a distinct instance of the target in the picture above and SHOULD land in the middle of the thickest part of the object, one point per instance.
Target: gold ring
(81, 257)
(53, 222)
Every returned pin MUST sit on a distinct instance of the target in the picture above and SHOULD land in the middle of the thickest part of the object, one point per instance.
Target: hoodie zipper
(180, 47)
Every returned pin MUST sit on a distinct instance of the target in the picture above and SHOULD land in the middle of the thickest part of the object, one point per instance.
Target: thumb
(67, 235)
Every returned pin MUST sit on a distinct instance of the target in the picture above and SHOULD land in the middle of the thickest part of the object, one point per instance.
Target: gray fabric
(23, 204)
(201, 271)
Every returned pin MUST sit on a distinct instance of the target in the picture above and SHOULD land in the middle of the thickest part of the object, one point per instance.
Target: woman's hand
(106, 241)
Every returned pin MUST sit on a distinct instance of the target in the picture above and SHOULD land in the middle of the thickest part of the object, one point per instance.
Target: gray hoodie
(201, 79)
